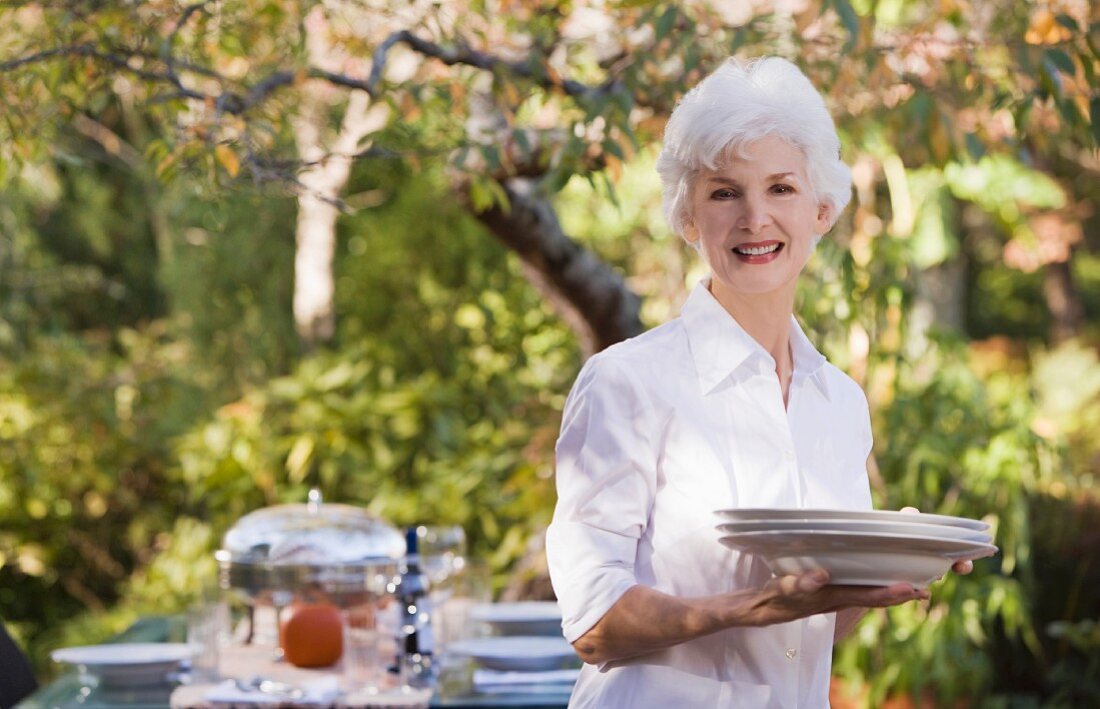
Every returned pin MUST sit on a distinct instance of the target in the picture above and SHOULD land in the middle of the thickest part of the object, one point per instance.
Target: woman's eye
(782, 189)
(723, 194)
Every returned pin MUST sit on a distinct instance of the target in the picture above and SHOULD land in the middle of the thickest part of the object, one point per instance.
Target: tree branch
(467, 56)
(592, 297)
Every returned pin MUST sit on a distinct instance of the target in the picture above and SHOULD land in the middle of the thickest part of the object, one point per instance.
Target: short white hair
(737, 104)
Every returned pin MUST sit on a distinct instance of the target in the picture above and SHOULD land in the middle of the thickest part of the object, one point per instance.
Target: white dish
(518, 653)
(773, 514)
(126, 664)
(859, 559)
(520, 618)
(858, 526)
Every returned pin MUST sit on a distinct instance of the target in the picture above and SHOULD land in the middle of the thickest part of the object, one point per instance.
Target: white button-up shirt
(658, 433)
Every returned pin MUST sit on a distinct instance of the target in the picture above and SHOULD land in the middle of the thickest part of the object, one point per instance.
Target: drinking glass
(207, 628)
(442, 551)
(363, 663)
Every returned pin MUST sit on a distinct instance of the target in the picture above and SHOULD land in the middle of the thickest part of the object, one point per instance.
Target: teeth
(756, 250)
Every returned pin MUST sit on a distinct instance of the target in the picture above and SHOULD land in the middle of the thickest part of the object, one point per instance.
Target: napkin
(322, 690)
(490, 681)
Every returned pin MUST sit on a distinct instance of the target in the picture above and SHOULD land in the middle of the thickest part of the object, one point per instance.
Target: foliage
(451, 420)
(84, 485)
(149, 368)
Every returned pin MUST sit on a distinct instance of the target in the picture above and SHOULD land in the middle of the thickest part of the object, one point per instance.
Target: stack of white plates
(526, 653)
(520, 617)
(875, 548)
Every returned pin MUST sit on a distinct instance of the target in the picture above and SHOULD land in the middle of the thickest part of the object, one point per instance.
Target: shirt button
(791, 652)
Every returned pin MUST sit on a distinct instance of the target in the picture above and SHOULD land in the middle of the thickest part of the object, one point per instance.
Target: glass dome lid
(315, 533)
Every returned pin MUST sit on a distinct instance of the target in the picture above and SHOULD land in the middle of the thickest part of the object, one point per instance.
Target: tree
(524, 96)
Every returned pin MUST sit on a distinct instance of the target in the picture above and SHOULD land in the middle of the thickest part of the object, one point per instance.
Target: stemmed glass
(442, 551)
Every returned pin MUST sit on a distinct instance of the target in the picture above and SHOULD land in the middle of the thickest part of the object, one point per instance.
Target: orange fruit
(312, 634)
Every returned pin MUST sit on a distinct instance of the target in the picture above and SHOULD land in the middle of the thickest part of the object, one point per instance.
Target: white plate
(129, 664)
(859, 559)
(760, 514)
(857, 526)
(518, 653)
(520, 618)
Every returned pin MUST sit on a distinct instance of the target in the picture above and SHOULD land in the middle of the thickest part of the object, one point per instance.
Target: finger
(813, 580)
(963, 567)
(910, 510)
(878, 596)
(802, 584)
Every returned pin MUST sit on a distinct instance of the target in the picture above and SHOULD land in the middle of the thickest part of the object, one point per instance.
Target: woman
(728, 405)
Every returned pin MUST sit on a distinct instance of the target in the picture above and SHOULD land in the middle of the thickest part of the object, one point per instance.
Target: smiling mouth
(746, 250)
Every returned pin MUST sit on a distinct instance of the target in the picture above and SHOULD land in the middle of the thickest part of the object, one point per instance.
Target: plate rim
(554, 647)
(812, 525)
(171, 652)
(484, 612)
(825, 513)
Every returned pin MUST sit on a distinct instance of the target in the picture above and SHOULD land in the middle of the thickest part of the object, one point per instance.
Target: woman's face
(755, 220)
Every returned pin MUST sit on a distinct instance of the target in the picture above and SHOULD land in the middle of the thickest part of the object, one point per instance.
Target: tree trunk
(592, 297)
(328, 165)
(1064, 302)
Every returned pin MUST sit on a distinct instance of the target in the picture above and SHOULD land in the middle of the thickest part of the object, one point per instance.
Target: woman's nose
(754, 217)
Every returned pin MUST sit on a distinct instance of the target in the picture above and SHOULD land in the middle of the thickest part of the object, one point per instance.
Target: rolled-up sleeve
(605, 481)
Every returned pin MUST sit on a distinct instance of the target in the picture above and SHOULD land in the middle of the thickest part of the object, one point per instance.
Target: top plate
(764, 514)
(126, 664)
(858, 526)
(519, 612)
(123, 654)
(520, 618)
(517, 653)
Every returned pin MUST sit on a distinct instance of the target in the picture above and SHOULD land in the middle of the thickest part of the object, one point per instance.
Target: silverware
(269, 686)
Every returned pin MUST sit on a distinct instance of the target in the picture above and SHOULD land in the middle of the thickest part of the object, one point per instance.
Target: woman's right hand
(787, 598)
(644, 620)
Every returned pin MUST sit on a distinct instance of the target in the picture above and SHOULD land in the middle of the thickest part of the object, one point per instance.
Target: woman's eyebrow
(770, 178)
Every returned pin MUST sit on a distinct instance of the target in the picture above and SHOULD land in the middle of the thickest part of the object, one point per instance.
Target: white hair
(737, 104)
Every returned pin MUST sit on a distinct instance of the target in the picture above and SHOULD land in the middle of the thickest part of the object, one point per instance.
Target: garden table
(68, 691)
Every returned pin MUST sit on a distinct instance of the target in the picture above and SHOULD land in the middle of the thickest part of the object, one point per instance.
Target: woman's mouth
(758, 252)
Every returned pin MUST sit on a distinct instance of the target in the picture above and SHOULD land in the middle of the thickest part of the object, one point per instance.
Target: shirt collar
(720, 346)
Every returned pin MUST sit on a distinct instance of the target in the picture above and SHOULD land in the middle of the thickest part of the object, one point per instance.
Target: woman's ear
(824, 220)
(690, 232)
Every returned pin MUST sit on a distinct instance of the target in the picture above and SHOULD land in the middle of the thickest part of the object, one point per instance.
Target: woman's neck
(767, 319)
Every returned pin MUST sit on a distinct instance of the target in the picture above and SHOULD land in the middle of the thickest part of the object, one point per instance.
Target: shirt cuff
(590, 569)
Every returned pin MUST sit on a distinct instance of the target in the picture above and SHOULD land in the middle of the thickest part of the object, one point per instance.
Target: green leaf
(1094, 118)
(614, 148)
(1050, 80)
(849, 19)
(665, 23)
(1070, 114)
(1060, 59)
(1068, 22)
(974, 146)
(520, 136)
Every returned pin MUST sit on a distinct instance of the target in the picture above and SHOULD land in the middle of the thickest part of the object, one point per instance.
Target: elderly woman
(729, 405)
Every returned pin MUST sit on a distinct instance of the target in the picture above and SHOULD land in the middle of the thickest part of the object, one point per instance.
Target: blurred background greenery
(492, 216)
